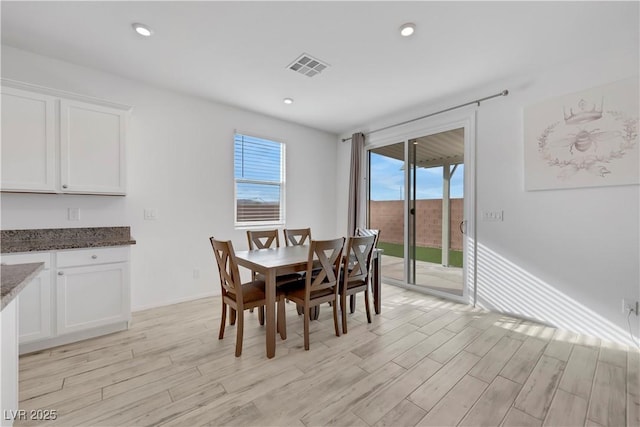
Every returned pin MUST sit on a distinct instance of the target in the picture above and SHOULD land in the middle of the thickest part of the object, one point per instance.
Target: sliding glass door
(416, 199)
(436, 208)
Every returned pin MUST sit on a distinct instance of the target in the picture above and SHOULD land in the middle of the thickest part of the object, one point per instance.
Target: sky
(387, 180)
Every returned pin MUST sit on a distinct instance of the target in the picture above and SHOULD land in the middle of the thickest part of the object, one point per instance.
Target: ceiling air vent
(307, 65)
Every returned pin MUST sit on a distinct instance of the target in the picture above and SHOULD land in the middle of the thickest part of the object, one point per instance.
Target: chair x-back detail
(240, 296)
(355, 272)
(325, 257)
(297, 236)
(368, 232)
(263, 239)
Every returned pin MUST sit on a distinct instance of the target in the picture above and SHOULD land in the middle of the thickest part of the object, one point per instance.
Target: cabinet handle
(94, 256)
(64, 185)
(60, 273)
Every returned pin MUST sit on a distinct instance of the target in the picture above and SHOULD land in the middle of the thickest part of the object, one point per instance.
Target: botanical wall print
(584, 139)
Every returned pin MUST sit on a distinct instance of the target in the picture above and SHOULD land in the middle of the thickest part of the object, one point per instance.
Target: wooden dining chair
(241, 296)
(323, 287)
(266, 239)
(363, 232)
(262, 239)
(355, 273)
(297, 236)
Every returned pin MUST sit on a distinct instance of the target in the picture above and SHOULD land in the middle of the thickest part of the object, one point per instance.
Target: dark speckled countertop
(49, 239)
(15, 278)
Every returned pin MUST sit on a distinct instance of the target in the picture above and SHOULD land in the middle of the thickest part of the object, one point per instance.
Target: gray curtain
(355, 180)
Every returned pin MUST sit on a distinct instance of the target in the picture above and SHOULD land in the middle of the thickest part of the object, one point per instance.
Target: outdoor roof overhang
(431, 151)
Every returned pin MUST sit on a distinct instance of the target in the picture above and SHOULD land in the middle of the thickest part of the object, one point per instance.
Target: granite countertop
(48, 239)
(15, 278)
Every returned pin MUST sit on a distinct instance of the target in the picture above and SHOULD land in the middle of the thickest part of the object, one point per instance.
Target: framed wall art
(584, 139)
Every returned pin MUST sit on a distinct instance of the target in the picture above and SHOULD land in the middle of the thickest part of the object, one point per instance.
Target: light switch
(492, 215)
(73, 214)
(150, 214)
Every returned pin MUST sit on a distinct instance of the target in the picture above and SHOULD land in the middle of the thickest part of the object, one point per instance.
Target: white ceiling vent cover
(307, 65)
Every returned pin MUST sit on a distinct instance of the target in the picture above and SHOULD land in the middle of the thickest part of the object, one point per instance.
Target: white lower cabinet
(92, 296)
(35, 301)
(81, 293)
(34, 309)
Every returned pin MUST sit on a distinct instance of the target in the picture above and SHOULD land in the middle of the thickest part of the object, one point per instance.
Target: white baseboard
(173, 301)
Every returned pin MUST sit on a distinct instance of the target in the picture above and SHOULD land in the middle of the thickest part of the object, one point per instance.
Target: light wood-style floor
(423, 361)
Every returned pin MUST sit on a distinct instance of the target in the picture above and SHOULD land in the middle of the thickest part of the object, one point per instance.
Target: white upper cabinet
(92, 148)
(28, 141)
(59, 142)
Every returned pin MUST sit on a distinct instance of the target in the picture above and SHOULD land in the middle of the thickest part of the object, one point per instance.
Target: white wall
(180, 162)
(564, 257)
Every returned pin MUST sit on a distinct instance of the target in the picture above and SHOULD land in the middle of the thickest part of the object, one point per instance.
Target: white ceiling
(237, 52)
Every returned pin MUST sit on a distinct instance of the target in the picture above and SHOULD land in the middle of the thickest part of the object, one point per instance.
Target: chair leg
(240, 327)
(282, 320)
(261, 315)
(232, 316)
(352, 303)
(307, 311)
(223, 320)
(366, 305)
(343, 308)
(335, 317)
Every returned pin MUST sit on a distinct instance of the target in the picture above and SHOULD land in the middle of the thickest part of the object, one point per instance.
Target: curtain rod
(477, 101)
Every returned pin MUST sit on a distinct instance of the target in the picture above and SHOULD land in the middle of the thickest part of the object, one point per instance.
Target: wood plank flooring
(423, 361)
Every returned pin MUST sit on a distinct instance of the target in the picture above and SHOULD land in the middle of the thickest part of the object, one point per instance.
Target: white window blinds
(259, 181)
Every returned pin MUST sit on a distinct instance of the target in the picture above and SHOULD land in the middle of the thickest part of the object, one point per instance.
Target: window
(259, 181)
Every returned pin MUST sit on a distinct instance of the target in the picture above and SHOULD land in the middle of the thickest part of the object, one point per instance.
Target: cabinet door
(92, 296)
(92, 144)
(34, 309)
(9, 362)
(28, 141)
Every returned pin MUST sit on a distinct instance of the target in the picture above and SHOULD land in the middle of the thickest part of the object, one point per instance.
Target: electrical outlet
(73, 214)
(628, 304)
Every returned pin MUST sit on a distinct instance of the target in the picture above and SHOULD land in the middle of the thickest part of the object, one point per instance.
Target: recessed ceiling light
(288, 101)
(407, 29)
(142, 29)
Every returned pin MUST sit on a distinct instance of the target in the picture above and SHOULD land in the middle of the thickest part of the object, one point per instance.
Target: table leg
(270, 312)
(377, 282)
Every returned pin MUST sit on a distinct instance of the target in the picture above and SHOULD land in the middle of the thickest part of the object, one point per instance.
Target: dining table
(274, 262)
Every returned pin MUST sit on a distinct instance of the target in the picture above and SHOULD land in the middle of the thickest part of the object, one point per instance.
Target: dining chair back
(355, 273)
(297, 236)
(266, 239)
(369, 232)
(263, 239)
(321, 281)
(228, 268)
(237, 295)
